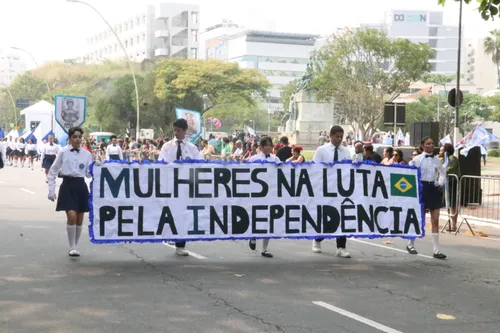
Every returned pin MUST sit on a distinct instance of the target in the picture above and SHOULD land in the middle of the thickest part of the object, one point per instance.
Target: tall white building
(281, 57)
(425, 27)
(161, 30)
(11, 64)
(479, 68)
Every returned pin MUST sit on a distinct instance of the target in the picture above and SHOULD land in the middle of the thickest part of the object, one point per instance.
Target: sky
(57, 29)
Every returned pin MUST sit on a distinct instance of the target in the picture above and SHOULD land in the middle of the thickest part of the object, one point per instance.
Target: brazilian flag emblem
(403, 185)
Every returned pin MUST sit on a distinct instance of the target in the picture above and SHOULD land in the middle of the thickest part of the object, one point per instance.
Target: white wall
(279, 50)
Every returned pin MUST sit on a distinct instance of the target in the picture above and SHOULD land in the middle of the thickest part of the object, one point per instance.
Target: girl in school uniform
(114, 151)
(266, 147)
(31, 151)
(72, 164)
(433, 179)
(49, 154)
(3, 153)
(21, 152)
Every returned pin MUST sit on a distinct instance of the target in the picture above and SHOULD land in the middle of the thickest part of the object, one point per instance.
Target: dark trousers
(341, 242)
(180, 244)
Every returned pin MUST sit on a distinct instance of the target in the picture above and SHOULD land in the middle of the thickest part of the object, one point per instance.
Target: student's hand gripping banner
(198, 200)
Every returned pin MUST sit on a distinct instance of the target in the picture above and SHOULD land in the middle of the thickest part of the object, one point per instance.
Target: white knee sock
(265, 243)
(77, 234)
(435, 242)
(71, 229)
(411, 243)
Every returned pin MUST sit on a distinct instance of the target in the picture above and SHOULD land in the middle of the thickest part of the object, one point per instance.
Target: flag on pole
(445, 140)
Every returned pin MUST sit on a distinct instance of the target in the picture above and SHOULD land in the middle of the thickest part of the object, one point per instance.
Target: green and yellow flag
(403, 185)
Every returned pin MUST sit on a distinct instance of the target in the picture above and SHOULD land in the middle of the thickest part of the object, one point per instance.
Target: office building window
(131, 42)
(194, 53)
(132, 24)
(126, 26)
(194, 17)
(144, 19)
(138, 21)
(143, 37)
(194, 34)
(126, 43)
(138, 39)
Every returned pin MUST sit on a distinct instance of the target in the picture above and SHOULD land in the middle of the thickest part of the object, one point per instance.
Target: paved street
(225, 287)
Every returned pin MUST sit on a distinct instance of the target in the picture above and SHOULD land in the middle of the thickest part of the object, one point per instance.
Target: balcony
(179, 42)
(161, 52)
(162, 34)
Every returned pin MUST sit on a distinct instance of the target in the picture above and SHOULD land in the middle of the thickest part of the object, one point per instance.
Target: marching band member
(49, 153)
(333, 152)
(179, 149)
(266, 147)
(31, 151)
(114, 151)
(3, 153)
(21, 152)
(433, 178)
(72, 163)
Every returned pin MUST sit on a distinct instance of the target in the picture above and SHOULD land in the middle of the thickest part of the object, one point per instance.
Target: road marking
(354, 316)
(389, 248)
(27, 191)
(196, 255)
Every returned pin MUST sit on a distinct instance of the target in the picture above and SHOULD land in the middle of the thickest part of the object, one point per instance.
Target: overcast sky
(56, 29)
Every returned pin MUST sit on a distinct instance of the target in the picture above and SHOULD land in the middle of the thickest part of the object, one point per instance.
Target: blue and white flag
(445, 140)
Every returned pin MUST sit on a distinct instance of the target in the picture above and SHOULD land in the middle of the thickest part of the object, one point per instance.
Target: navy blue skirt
(1, 161)
(73, 195)
(9, 151)
(432, 197)
(48, 160)
(32, 153)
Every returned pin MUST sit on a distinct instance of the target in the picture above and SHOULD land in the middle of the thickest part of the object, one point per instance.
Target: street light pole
(13, 102)
(456, 130)
(137, 130)
(46, 83)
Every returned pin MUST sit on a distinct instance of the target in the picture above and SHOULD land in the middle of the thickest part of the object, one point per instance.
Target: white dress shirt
(30, 147)
(431, 168)
(12, 145)
(50, 150)
(326, 153)
(20, 146)
(71, 164)
(114, 150)
(262, 157)
(189, 151)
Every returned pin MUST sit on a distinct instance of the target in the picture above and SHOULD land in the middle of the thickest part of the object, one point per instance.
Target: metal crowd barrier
(478, 200)
(451, 199)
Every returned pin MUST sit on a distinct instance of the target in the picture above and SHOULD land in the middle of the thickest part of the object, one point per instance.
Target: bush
(494, 153)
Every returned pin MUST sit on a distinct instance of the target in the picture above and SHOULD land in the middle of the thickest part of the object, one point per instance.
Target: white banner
(194, 200)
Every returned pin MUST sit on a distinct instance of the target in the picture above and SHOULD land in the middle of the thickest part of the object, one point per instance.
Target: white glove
(51, 197)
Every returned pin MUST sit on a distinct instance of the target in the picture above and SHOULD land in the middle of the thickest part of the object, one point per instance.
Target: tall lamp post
(137, 130)
(13, 102)
(456, 131)
(46, 83)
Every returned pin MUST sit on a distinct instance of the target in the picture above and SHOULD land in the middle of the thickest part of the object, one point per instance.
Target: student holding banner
(72, 164)
(328, 153)
(179, 149)
(433, 179)
(266, 147)
(114, 151)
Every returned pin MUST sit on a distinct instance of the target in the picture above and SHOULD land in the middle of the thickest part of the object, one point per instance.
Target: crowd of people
(73, 193)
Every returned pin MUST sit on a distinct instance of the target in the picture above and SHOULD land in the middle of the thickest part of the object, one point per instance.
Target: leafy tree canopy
(488, 9)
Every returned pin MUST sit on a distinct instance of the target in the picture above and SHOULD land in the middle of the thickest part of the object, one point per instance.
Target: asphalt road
(132, 288)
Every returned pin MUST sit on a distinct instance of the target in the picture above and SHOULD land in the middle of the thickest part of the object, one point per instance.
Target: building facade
(425, 27)
(281, 57)
(11, 64)
(479, 68)
(161, 30)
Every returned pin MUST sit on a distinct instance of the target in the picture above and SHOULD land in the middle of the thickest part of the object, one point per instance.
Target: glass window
(194, 34)
(194, 17)
(143, 37)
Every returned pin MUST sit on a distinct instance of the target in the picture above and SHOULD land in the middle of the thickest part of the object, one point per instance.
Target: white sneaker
(316, 247)
(171, 243)
(180, 251)
(74, 253)
(342, 253)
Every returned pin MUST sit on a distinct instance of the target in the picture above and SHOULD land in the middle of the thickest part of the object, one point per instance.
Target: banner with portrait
(195, 124)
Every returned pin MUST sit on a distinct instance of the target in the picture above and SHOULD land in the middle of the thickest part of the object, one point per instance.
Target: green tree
(219, 83)
(286, 93)
(363, 68)
(492, 48)
(494, 102)
(487, 8)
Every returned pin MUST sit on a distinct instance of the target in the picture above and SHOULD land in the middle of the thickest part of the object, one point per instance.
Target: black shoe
(252, 244)
(267, 254)
(411, 250)
(439, 255)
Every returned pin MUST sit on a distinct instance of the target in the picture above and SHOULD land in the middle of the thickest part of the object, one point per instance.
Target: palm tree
(492, 47)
